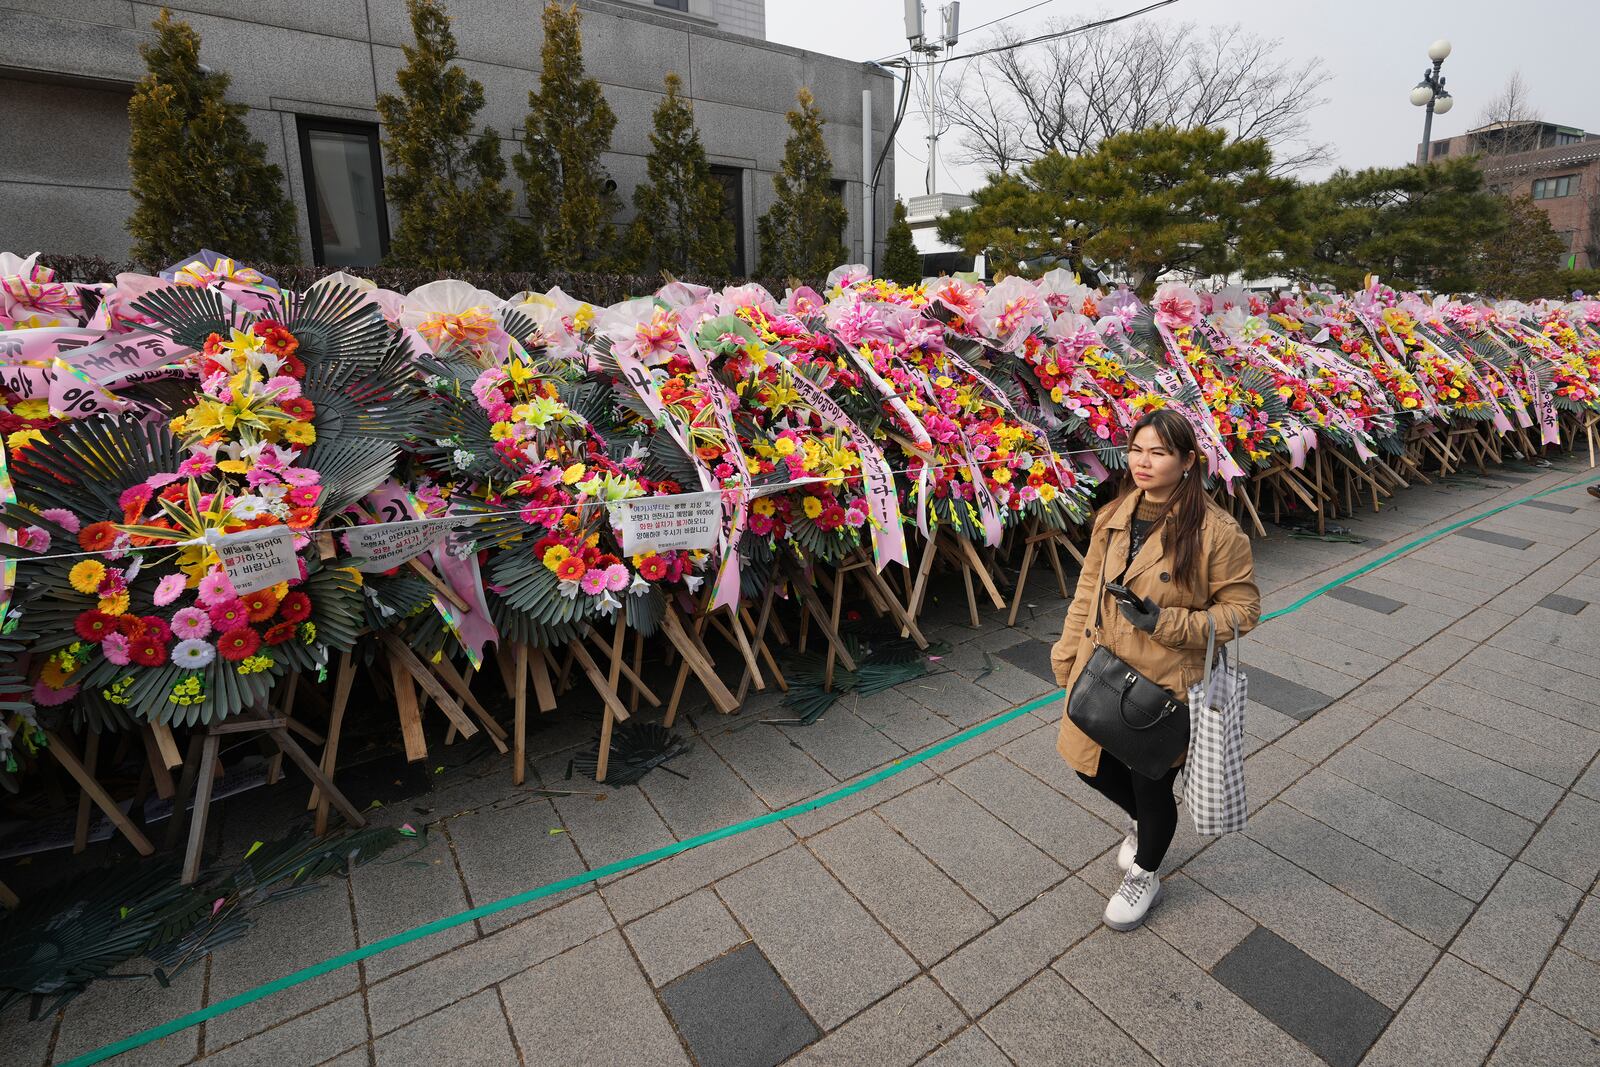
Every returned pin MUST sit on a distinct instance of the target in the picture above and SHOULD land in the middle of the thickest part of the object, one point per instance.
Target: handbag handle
(1122, 706)
(1211, 647)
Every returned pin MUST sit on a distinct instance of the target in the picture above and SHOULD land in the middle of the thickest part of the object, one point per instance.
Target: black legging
(1148, 801)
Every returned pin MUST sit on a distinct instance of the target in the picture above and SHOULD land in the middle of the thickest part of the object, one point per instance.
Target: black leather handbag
(1137, 721)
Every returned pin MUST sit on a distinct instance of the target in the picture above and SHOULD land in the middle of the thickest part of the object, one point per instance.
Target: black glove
(1143, 615)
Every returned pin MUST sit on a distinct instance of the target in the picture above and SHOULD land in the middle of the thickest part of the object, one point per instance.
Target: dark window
(732, 181)
(1568, 138)
(344, 192)
(1441, 148)
(1552, 188)
(674, 5)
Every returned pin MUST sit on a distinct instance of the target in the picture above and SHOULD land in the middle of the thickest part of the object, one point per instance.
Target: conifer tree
(199, 180)
(445, 182)
(800, 236)
(901, 260)
(680, 226)
(568, 127)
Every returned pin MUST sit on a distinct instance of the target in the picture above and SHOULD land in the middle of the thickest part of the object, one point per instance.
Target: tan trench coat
(1174, 656)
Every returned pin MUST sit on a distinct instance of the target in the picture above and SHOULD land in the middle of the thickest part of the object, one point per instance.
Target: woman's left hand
(1143, 615)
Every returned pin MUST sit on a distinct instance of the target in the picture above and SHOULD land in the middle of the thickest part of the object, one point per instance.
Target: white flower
(249, 508)
(608, 604)
(193, 653)
(694, 582)
(638, 587)
(463, 458)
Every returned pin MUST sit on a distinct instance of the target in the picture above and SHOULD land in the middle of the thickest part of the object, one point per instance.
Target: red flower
(146, 651)
(275, 337)
(277, 635)
(94, 625)
(229, 613)
(261, 604)
(296, 607)
(571, 569)
(156, 628)
(97, 536)
(302, 518)
(298, 408)
(238, 643)
(652, 568)
(292, 367)
(213, 344)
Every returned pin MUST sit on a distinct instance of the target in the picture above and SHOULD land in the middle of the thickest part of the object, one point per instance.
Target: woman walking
(1162, 557)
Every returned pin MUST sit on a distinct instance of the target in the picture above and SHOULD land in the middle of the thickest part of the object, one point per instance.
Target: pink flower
(46, 697)
(301, 476)
(593, 581)
(191, 622)
(62, 518)
(286, 387)
(35, 539)
(1176, 305)
(617, 577)
(113, 583)
(226, 615)
(215, 588)
(303, 496)
(160, 481)
(114, 647)
(855, 517)
(195, 466)
(760, 525)
(168, 590)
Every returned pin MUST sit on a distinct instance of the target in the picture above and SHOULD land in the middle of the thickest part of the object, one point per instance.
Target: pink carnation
(617, 577)
(114, 647)
(215, 588)
(168, 589)
(593, 582)
(191, 622)
(301, 476)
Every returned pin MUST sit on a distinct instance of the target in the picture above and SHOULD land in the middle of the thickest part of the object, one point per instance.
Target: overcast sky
(1375, 51)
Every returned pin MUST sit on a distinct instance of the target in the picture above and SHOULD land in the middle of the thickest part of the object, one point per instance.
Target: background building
(1558, 166)
(311, 73)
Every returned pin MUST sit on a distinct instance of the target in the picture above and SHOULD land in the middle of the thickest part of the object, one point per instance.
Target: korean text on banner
(374, 549)
(669, 523)
(256, 559)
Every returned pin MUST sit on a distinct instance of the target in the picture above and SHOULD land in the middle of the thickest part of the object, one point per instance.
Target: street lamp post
(1431, 94)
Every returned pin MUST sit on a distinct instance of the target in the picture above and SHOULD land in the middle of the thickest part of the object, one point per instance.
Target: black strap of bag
(1137, 721)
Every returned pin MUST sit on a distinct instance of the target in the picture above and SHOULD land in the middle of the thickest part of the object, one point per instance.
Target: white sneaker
(1129, 849)
(1131, 903)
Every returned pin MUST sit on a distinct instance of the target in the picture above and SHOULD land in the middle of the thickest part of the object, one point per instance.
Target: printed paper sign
(374, 549)
(670, 523)
(256, 559)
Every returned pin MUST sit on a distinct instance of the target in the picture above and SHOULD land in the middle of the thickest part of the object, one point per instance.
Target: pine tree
(445, 182)
(568, 127)
(901, 260)
(800, 236)
(680, 226)
(199, 180)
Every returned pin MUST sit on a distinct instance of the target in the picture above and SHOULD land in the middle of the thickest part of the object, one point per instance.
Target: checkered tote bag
(1213, 781)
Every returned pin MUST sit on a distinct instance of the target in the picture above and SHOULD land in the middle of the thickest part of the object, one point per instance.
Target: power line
(1071, 31)
(981, 26)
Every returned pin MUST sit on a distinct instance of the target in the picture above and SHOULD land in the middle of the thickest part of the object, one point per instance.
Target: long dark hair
(1185, 509)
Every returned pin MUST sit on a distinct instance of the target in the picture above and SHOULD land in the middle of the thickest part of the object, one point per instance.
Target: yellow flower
(943, 381)
(31, 409)
(1047, 492)
(1409, 402)
(85, 577)
(555, 554)
(1003, 475)
(784, 446)
(500, 431)
(573, 474)
(117, 604)
(300, 433)
(812, 507)
(764, 506)
(1056, 394)
(22, 437)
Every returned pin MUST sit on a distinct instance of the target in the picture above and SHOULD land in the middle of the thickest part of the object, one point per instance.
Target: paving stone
(1546, 505)
(955, 698)
(683, 935)
(612, 825)
(1568, 845)
(1436, 852)
(110, 1010)
(779, 773)
(1280, 694)
(1514, 928)
(1180, 1014)
(897, 1030)
(1386, 885)
(1571, 742)
(1570, 984)
(708, 796)
(1265, 724)
(1554, 767)
(902, 720)
(661, 883)
(479, 964)
(834, 956)
(997, 733)
(1031, 656)
(391, 897)
(28, 1042)
(1480, 624)
(1363, 599)
(1269, 772)
(1389, 688)
(1589, 784)
(1483, 822)
(1025, 942)
(1565, 604)
(1504, 786)
(1583, 935)
(986, 858)
(970, 1048)
(845, 744)
(284, 937)
(471, 1032)
(310, 1038)
(1439, 652)
(1453, 1018)
(1062, 830)
(1538, 1037)
(1325, 732)
(593, 1004)
(1539, 675)
(809, 823)
(1047, 1022)
(505, 852)
(1499, 680)
(1367, 949)
(1490, 537)
(1574, 652)
(1013, 685)
(928, 913)
(735, 1012)
(356, 1057)
(1197, 922)
(1301, 670)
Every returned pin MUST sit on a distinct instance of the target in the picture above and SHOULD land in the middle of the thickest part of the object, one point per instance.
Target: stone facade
(69, 67)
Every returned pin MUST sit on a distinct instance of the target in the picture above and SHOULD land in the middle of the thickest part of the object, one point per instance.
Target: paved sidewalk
(1416, 885)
